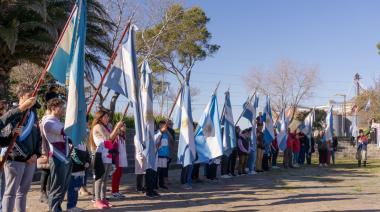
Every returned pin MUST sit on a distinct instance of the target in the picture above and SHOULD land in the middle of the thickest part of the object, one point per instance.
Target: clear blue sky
(339, 36)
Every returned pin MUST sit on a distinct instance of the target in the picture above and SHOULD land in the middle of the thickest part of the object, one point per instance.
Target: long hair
(97, 120)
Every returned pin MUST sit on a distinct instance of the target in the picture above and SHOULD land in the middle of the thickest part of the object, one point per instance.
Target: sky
(338, 36)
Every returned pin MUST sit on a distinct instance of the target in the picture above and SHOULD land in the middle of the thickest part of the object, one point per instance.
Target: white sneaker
(225, 176)
(275, 167)
(188, 187)
(320, 165)
(325, 165)
(252, 172)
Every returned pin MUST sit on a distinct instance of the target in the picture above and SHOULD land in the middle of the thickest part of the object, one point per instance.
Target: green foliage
(320, 116)
(178, 41)
(29, 30)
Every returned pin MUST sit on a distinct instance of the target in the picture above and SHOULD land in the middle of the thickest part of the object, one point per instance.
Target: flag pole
(245, 108)
(37, 87)
(175, 101)
(110, 62)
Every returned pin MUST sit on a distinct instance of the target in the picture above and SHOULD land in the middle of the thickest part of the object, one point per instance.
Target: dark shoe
(365, 163)
(44, 197)
(164, 187)
(359, 163)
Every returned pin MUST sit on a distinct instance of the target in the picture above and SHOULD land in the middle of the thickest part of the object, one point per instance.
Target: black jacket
(9, 117)
(79, 159)
(30, 146)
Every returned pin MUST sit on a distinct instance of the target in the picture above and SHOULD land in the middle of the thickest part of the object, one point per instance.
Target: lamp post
(344, 113)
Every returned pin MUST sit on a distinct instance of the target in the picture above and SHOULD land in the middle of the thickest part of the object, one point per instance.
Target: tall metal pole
(344, 115)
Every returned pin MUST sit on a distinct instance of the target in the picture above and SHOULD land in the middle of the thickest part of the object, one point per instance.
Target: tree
(177, 42)
(29, 30)
(320, 116)
(372, 93)
(287, 84)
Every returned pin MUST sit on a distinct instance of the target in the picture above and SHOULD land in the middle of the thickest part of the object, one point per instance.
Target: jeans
(274, 158)
(60, 175)
(72, 192)
(295, 157)
(332, 152)
(302, 155)
(18, 178)
(186, 175)
(252, 161)
(308, 158)
(45, 176)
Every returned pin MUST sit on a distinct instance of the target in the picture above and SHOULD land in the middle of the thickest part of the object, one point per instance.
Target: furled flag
(268, 129)
(368, 106)
(227, 120)
(354, 126)
(329, 130)
(148, 119)
(249, 112)
(75, 121)
(308, 124)
(116, 78)
(282, 135)
(60, 64)
(131, 71)
(208, 136)
(186, 147)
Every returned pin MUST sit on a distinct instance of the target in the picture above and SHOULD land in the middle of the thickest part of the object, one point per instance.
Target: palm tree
(30, 28)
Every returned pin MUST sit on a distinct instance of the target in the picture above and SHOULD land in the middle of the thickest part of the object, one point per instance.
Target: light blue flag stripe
(229, 136)
(208, 137)
(75, 121)
(186, 147)
(117, 79)
(268, 129)
(282, 136)
(329, 130)
(150, 152)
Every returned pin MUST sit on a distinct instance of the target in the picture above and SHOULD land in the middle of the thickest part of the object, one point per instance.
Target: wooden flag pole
(37, 87)
(175, 101)
(110, 62)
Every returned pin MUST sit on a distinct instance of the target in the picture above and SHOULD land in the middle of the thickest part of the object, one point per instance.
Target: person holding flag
(20, 165)
(268, 132)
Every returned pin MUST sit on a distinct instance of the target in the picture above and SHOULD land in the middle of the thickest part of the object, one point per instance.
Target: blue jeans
(274, 158)
(302, 155)
(72, 192)
(252, 160)
(295, 157)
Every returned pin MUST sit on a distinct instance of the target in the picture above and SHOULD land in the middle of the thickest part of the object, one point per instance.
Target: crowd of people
(66, 168)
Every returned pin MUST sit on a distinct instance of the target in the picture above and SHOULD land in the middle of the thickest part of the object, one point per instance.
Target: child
(81, 160)
(296, 150)
(163, 153)
(243, 151)
(361, 154)
(120, 161)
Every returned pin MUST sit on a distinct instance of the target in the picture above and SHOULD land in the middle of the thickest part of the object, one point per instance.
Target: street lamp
(344, 113)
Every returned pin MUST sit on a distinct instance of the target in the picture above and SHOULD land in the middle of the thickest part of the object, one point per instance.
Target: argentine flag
(282, 135)
(308, 124)
(75, 121)
(329, 130)
(227, 120)
(186, 147)
(268, 129)
(131, 71)
(368, 106)
(176, 116)
(147, 107)
(117, 79)
(60, 64)
(208, 136)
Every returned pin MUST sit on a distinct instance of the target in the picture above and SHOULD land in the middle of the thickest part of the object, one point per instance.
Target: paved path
(338, 188)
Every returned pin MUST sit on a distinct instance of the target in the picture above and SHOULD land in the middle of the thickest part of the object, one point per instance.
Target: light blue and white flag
(227, 120)
(368, 106)
(150, 151)
(329, 130)
(268, 129)
(308, 124)
(130, 68)
(117, 79)
(75, 121)
(249, 111)
(208, 136)
(354, 127)
(176, 116)
(186, 147)
(282, 135)
(60, 64)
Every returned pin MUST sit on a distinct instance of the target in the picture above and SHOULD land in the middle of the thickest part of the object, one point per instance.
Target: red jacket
(296, 145)
(289, 141)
